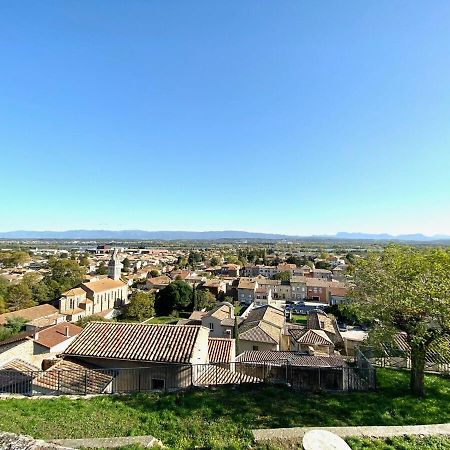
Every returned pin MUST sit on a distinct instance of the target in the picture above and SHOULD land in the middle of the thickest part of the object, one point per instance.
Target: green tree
(204, 299)
(12, 259)
(4, 284)
(194, 257)
(229, 299)
(3, 305)
(406, 289)
(175, 297)
(39, 289)
(102, 269)
(84, 260)
(13, 326)
(154, 273)
(16, 324)
(19, 296)
(141, 306)
(214, 261)
(182, 262)
(323, 265)
(65, 274)
(283, 276)
(126, 265)
(297, 260)
(233, 260)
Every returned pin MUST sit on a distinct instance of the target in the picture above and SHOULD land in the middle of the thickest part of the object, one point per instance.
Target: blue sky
(286, 116)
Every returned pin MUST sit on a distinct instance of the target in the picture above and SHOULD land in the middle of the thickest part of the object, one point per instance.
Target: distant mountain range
(207, 235)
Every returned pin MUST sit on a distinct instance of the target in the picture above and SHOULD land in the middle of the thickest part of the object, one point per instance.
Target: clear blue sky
(285, 116)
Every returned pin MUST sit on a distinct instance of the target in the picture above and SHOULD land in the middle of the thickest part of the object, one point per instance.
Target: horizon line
(222, 231)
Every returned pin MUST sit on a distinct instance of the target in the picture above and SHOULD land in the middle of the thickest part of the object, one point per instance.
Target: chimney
(66, 332)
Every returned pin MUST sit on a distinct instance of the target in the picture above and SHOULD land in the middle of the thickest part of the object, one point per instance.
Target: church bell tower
(114, 267)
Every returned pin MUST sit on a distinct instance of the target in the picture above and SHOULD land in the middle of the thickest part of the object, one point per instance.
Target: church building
(96, 297)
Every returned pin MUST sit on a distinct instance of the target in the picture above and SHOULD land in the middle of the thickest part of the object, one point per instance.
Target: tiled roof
(220, 350)
(256, 334)
(246, 283)
(136, 342)
(43, 322)
(74, 291)
(213, 375)
(212, 283)
(263, 324)
(329, 325)
(23, 336)
(17, 374)
(437, 353)
(221, 312)
(229, 321)
(268, 282)
(268, 314)
(103, 285)
(197, 315)
(35, 312)
(158, 281)
(314, 337)
(293, 358)
(57, 334)
(18, 365)
(72, 378)
(339, 291)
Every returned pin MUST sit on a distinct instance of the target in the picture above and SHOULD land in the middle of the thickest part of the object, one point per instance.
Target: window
(211, 326)
(255, 348)
(158, 384)
(322, 324)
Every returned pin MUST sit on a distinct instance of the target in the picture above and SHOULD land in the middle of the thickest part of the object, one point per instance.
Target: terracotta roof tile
(57, 334)
(35, 312)
(220, 350)
(103, 285)
(136, 342)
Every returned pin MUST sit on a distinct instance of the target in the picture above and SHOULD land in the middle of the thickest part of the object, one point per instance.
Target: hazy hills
(206, 235)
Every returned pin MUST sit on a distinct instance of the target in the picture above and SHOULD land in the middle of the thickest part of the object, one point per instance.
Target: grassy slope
(300, 319)
(222, 418)
(163, 319)
(402, 443)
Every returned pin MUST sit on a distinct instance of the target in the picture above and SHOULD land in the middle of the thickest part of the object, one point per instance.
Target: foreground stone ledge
(294, 436)
(113, 442)
(11, 441)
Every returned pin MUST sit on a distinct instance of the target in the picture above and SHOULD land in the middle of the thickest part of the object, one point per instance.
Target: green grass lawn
(401, 443)
(301, 319)
(163, 319)
(222, 418)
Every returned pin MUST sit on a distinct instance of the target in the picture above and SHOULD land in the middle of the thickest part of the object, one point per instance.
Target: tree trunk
(416, 381)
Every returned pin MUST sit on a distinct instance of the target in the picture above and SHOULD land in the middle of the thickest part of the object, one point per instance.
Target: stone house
(220, 320)
(262, 329)
(161, 356)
